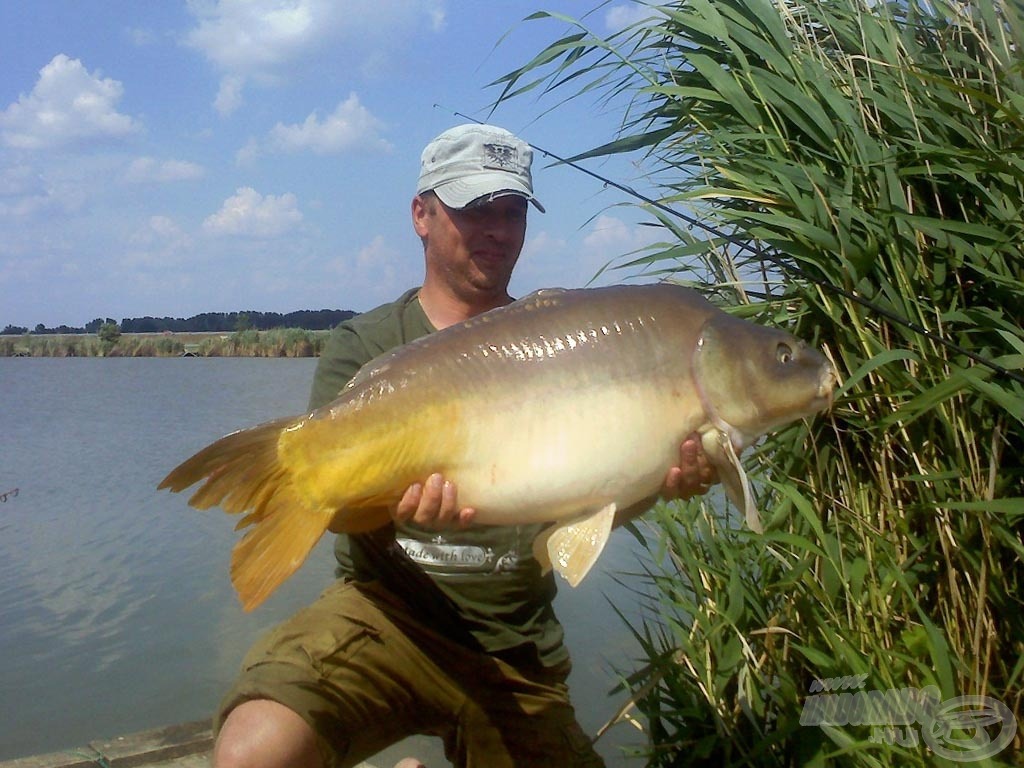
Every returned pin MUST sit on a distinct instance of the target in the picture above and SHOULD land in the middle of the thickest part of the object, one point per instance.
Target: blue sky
(174, 158)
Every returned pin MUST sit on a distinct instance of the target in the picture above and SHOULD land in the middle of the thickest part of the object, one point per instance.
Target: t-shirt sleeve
(342, 357)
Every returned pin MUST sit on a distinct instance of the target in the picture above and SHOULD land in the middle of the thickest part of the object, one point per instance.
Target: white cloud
(67, 105)
(148, 169)
(140, 37)
(612, 242)
(259, 39)
(543, 263)
(165, 228)
(254, 38)
(19, 181)
(611, 238)
(229, 95)
(249, 213)
(621, 16)
(247, 35)
(27, 192)
(378, 261)
(376, 273)
(549, 262)
(248, 154)
(350, 125)
(435, 12)
(156, 244)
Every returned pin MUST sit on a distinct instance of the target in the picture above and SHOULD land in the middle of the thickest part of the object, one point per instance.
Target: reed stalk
(856, 173)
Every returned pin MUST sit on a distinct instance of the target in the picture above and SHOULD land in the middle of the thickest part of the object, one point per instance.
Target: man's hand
(694, 475)
(434, 504)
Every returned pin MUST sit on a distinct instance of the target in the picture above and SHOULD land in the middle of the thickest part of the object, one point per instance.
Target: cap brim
(460, 193)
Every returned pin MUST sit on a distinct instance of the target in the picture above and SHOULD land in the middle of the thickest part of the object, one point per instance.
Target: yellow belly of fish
(336, 472)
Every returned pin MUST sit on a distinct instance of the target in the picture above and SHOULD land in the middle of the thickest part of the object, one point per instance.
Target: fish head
(753, 379)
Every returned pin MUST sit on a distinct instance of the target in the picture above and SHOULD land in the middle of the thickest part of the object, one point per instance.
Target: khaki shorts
(365, 674)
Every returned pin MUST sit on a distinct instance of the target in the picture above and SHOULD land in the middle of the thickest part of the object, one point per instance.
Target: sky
(174, 158)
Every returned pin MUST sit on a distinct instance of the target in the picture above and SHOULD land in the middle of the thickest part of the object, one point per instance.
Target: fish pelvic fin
(720, 451)
(573, 547)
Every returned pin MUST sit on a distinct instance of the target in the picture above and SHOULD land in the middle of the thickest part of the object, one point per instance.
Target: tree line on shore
(110, 342)
(206, 322)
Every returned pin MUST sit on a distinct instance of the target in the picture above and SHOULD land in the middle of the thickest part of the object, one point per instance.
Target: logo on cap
(502, 157)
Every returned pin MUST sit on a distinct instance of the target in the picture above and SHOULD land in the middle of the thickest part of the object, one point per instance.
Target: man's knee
(264, 734)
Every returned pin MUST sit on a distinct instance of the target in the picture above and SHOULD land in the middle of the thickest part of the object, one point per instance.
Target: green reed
(876, 147)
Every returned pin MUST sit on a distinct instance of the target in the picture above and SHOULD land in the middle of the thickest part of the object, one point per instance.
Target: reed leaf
(857, 168)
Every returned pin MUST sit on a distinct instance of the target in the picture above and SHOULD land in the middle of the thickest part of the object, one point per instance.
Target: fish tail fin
(242, 470)
(280, 541)
(243, 473)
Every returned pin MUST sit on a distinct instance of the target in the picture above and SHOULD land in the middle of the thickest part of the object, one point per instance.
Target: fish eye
(784, 354)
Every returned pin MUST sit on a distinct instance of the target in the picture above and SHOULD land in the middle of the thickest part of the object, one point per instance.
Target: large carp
(564, 406)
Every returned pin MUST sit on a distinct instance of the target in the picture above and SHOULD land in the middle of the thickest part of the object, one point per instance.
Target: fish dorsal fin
(573, 547)
(719, 450)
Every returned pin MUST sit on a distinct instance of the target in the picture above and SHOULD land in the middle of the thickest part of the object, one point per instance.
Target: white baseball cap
(474, 162)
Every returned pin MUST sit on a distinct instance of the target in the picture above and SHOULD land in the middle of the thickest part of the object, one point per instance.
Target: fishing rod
(782, 264)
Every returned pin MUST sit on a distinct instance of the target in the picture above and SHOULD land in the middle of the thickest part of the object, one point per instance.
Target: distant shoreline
(277, 342)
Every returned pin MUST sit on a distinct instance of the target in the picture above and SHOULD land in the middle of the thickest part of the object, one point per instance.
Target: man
(438, 626)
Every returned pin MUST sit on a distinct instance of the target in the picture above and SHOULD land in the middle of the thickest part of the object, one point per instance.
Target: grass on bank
(278, 342)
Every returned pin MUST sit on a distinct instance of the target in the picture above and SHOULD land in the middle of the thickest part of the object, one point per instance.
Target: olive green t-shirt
(482, 585)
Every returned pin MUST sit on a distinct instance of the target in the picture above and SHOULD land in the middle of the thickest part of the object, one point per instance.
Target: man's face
(472, 250)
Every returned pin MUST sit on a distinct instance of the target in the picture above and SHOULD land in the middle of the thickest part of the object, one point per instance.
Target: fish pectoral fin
(719, 450)
(573, 547)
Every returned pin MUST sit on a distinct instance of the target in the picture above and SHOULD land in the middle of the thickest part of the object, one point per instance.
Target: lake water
(116, 612)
